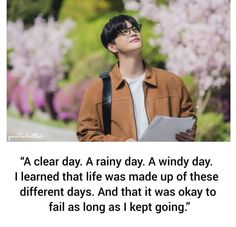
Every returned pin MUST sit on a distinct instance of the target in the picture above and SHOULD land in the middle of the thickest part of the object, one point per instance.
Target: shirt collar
(118, 81)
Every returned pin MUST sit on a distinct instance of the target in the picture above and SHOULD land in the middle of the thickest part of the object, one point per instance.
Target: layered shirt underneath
(140, 114)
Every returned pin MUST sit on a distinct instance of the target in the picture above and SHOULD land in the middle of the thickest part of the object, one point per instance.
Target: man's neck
(131, 66)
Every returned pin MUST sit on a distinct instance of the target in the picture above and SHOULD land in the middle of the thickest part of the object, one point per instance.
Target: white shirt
(140, 114)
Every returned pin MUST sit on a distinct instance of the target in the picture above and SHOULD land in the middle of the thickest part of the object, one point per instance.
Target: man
(139, 91)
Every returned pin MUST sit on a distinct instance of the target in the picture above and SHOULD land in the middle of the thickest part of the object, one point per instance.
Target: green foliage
(117, 5)
(160, 2)
(86, 39)
(90, 17)
(192, 84)
(86, 45)
(150, 54)
(90, 66)
(27, 10)
(81, 11)
(37, 118)
(211, 127)
(9, 66)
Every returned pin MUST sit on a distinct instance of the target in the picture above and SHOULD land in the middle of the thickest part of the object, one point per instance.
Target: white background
(18, 211)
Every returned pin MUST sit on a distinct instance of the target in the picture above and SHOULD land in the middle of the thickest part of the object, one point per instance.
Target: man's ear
(112, 47)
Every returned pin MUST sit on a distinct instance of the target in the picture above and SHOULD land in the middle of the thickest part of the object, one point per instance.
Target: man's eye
(125, 31)
(135, 29)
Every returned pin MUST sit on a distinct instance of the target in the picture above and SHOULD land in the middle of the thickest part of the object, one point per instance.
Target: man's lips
(135, 40)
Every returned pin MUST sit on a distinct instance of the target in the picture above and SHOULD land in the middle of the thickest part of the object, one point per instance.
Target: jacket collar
(118, 81)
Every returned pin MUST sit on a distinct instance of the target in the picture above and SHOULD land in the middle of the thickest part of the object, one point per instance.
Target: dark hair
(115, 25)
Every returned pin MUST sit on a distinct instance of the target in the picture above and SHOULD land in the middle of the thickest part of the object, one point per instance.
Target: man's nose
(132, 33)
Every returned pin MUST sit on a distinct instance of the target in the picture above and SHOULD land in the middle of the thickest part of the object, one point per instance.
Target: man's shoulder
(165, 76)
(96, 83)
(94, 89)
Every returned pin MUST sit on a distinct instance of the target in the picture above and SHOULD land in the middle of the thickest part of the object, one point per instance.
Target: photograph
(125, 70)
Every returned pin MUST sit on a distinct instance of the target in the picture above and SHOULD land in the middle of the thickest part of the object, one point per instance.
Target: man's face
(129, 40)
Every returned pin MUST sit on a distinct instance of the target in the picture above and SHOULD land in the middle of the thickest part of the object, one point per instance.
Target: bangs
(114, 27)
(119, 24)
